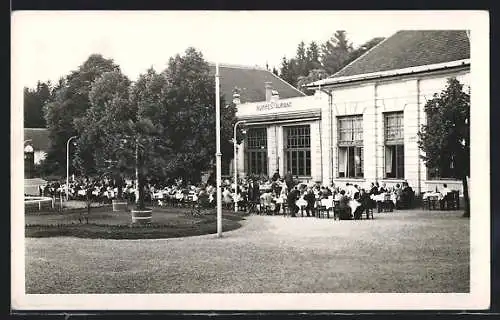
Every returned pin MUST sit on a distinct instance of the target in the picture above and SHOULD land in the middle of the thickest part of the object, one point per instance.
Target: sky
(47, 45)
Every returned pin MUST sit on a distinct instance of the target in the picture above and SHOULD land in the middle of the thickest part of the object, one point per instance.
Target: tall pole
(218, 154)
(137, 192)
(236, 168)
(67, 166)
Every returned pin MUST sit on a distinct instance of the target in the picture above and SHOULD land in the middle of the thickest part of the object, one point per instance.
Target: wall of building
(371, 100)
(407, 95)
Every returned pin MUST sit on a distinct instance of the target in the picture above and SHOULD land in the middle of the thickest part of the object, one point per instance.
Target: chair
(387, 205)
(451, 201)
(341, 213)
(368, 213)
(322, 209)
(433, 202)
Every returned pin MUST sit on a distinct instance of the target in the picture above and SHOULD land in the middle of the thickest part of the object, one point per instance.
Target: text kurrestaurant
(273, 105)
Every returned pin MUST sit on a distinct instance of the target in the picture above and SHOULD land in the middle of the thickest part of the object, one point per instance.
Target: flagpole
(218, 154)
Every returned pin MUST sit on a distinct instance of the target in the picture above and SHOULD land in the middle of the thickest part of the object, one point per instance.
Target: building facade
(361, 124)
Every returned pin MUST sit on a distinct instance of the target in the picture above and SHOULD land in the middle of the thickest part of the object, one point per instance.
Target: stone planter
(119, 205)
(141, 216)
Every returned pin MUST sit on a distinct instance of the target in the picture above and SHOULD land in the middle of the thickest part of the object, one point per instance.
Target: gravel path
(404, 251)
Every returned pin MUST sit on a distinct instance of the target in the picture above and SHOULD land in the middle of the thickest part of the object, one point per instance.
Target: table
(431, 200)
(381, 197)
(437, 195)
(353, 204)
(301, 203)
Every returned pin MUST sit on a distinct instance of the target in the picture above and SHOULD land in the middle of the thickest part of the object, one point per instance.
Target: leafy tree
(313, 58)
(314, 75)
(162, 127)
(190, 101)
(275, 71)
(70, 102)
(109, 108)
(336, 52)
(362, 49)
(33, 104)
(301, 59)
(445, 138)
(288, 71)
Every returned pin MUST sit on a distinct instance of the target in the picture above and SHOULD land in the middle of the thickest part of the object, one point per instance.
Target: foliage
(314, 75)
(445, 139)
(336, 52)
(317, 62)
(169, 116)
(362, 49)
(70, 102)
(33, 104)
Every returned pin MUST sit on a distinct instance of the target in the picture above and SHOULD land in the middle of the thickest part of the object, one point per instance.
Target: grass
(106, 224)
(403, 251)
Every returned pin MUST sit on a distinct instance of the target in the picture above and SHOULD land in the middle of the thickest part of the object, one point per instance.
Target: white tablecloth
(432, 194)
(381, 197)
(301, 203)
(353, 204)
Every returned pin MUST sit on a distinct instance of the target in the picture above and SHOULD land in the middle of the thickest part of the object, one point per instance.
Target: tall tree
(362, 49)
(34, 101)
(313, 57)
(275, 71)
(445, 139)
(301, 59)
(71, 100)
(102, 122)
(336, 52)
(288, 71)
(314, 75)
(190, 99)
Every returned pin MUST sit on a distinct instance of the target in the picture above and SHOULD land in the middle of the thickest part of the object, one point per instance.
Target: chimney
(269, 90)
(236, 96)
(275, 96)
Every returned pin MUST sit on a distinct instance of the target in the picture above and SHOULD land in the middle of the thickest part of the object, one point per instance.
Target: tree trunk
(139, 179)
(466, 197)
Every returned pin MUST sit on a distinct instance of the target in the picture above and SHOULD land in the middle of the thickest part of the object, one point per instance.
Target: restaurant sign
(273, 105)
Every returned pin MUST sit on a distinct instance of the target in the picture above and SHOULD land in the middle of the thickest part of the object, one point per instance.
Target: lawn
(104, 223)
(404, 251)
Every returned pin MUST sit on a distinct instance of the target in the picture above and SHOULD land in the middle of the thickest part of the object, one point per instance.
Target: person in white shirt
(444, 192)
(350, 190)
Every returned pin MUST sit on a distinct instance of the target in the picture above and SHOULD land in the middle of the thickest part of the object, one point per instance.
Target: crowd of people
(254, 194)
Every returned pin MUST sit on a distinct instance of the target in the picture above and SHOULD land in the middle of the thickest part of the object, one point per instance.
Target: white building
(361, 125)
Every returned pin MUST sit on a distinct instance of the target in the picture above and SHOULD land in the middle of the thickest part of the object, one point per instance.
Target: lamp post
(29, 156)
(67, 165)
(218, 154)
(236, 167)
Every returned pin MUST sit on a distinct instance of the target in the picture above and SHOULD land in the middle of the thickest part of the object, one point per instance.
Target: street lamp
(218, 154)
(67, 165)
(28, 160)
(236, 167)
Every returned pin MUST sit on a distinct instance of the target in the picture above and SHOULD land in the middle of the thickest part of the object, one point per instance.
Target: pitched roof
(251, 82)
(411, 48)
(39, 138)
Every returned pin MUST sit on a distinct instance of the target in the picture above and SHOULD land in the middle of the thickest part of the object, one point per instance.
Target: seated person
(293, 196)
(366, 203)
(343, 208)
(445, 194)
(267, 201)
(311, 200)
(374, 189)
(407, 195)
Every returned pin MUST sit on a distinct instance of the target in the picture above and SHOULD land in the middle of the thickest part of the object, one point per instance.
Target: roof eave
(387, 73)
